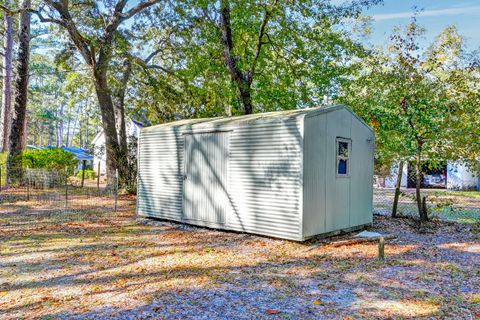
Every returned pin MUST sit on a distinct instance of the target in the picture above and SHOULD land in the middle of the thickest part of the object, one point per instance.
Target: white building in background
(460, 178)
(99, 156)
(391, 180)
(454, 176)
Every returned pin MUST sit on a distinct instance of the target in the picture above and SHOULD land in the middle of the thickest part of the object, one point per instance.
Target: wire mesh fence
(383, 199)
(57, 191)
(441, 202)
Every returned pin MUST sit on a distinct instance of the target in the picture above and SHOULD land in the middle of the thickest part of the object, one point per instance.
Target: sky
(436, 15)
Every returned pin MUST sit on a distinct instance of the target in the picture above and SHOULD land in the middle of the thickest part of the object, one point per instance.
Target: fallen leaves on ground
(112, 265)
(272, 311)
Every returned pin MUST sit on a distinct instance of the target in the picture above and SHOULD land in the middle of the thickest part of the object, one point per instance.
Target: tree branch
(67, 22)
(145, 66)
(156, 66)
(152, 55)
(227, 42)
(8, 11)
(260, 41)
(141, 6)
(47, 20)
(113, 23)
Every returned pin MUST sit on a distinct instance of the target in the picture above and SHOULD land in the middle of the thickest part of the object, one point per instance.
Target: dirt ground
(110, 265)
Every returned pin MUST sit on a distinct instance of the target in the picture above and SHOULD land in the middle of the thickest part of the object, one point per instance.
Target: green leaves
(52, 158)
(305, 54)
(408, 96)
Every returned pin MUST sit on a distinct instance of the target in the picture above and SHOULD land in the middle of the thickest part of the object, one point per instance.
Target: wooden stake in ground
(381, 249)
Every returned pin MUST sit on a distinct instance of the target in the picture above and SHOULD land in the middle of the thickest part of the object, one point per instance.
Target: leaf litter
(118, 266)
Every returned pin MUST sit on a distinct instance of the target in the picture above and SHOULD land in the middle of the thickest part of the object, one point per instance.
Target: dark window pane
(343, 149)
(342, 166)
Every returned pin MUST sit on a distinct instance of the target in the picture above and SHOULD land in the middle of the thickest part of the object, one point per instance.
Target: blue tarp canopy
(78, 153)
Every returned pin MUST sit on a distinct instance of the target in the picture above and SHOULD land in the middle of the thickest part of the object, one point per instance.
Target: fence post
(66, 187)
(83, 171)
(28, 184)
(116, 189)
(0, 178)
(381, 249)
(98, 176)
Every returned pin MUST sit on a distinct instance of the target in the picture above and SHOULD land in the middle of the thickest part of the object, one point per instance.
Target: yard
(459, 206)
(111, 265)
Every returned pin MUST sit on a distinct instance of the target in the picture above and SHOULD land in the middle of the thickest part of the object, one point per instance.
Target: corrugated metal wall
(314, 186)
(361, 187)
(264, 176)
(337, 200)
(160, 173)
(205, 179)
(332, 202)
(278, 183)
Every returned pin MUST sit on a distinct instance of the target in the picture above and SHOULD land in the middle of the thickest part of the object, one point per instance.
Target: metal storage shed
(288, 174)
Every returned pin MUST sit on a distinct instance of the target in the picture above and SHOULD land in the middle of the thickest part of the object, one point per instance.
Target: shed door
(205, 196)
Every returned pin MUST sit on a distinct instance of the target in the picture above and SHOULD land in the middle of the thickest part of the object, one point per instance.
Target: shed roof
(266, 117)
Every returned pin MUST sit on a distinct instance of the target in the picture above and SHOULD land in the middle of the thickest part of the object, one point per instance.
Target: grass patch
(471, 194)
(469, 216)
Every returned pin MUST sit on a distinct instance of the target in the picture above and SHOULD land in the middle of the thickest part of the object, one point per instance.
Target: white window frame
(339, 157)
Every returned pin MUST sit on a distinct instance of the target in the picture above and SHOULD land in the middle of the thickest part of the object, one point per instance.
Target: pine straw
(106, 265)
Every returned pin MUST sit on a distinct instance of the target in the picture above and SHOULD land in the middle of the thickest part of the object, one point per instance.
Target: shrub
(53, 158)
(89, 174)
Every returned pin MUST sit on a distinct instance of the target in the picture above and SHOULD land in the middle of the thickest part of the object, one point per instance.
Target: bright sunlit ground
(99, 266)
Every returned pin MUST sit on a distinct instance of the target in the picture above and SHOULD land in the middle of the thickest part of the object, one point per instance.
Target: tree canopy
(95, 64)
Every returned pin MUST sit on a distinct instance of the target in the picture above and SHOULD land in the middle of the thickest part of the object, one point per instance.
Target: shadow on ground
(108, 264)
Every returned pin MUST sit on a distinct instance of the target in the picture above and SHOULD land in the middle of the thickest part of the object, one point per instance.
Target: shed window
(343, 157)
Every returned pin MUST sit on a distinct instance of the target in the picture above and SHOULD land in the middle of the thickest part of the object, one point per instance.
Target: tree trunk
(97, 53)
(85, 140)
(57, 145)
(35, 133)
(120, 106)
(246, 97)
(60, 128)
(68, 131)
(107, 111)
(7, 80)
(418, 172)
(80, 127)
(59, 123)
(241, 79)
(75, 122)
(397, 189)
(40, 133)
(25, 131)
(122, 165)
(17, 129)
